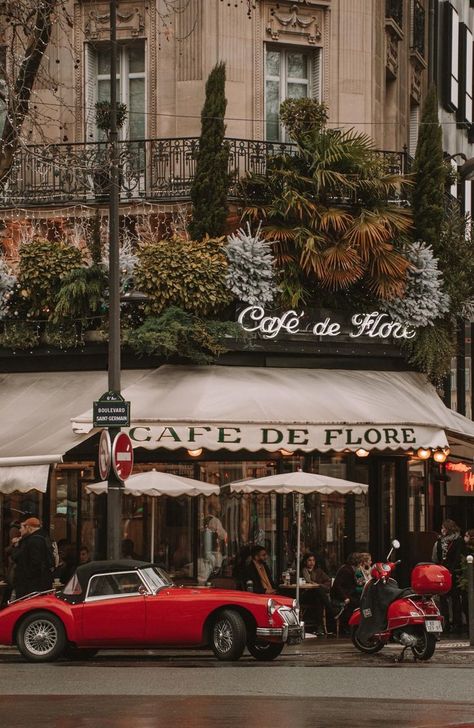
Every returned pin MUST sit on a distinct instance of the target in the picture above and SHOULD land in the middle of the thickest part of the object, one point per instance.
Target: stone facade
(368, 73)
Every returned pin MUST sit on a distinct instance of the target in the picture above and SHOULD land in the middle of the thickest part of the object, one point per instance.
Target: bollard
(470, 593)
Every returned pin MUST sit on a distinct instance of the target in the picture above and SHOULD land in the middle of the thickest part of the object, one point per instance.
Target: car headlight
(272, 607)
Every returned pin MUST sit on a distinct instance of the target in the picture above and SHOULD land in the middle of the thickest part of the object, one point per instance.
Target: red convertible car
(133, 604)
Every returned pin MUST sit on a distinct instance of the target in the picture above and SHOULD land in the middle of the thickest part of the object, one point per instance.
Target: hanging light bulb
(195, 453)
(361, 453)
(423, 453)
(439, 456)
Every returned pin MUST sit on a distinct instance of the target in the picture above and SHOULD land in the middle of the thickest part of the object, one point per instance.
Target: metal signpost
(470, 592)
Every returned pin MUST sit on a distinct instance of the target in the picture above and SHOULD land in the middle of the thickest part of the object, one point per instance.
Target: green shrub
(178, 333)
(19, 335)
(43, 265)
(82, 293)
(183, 273)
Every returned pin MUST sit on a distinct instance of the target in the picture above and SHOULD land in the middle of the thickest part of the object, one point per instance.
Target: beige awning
(35, 429)
(265, 408)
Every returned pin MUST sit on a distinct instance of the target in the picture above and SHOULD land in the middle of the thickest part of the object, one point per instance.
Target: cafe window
(290, 73)
(228, 523)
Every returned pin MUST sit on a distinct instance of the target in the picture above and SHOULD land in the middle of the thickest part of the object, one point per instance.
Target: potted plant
(101, 173)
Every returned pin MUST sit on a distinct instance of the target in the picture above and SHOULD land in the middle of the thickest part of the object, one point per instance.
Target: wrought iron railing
(153, 170)
(394, 10)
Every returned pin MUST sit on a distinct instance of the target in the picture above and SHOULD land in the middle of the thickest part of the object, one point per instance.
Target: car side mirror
(142, 590)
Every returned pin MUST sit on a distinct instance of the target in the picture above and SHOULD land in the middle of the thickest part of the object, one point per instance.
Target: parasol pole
(152, 543)
(298, 548)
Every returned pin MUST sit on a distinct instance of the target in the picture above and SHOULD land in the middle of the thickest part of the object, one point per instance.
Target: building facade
(368, 61)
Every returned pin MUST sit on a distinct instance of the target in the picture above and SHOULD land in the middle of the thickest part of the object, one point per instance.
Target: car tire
(79, 653)
(228, 635)
(265, 650)
(41, 637)
(425, 648)
(368, 648)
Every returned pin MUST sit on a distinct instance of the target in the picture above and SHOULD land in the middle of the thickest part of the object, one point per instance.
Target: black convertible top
(85, 571)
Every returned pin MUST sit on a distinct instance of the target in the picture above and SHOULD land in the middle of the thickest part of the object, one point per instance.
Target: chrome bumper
(291, 634)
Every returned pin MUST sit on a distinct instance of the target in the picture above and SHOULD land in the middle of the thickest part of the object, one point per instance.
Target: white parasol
(154, 483)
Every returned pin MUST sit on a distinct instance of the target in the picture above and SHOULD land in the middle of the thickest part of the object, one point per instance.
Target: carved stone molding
(393, 36)
(417, 66)
(130, 22)
(295, 23)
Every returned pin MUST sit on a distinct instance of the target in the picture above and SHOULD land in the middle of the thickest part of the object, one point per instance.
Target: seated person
(344, 588)
(257, 572)
(318, 598)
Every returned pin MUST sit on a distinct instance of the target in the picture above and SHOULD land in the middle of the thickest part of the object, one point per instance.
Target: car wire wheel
(228, 635)
(41, 637)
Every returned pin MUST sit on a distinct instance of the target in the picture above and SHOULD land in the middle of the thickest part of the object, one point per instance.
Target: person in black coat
(257, 571)
(344, 588)
(448, 551)
(32, 558)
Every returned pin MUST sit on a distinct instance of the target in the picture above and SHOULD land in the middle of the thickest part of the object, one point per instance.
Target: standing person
(258, 572)
(84, 555)
(34, 559)
(344, 589)
(468, 550)
(447, 551)
(318, 598)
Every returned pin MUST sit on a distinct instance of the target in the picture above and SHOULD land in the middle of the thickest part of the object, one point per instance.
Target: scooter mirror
(395, 544)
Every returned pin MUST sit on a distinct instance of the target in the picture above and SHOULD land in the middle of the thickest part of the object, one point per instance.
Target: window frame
(100, 597)
(284, 79)
(124, 76)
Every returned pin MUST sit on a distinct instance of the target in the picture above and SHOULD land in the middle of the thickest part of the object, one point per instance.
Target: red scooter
(407, 616)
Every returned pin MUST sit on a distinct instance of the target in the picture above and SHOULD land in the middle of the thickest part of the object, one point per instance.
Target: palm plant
(327, 208)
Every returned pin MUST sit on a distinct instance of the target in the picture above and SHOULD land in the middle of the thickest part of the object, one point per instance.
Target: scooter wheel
(369, 648)
(425, 647)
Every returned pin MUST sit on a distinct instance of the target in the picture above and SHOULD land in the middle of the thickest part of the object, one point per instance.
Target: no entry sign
(122, 456)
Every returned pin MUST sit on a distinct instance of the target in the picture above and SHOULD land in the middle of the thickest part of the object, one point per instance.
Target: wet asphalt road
(323, 684)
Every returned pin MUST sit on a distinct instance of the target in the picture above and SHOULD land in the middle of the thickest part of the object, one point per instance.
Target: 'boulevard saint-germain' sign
(375, 325)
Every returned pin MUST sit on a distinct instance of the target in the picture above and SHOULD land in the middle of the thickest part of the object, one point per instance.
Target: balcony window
(394, 10)
(290, 73)
(131, 87)
(417, 39)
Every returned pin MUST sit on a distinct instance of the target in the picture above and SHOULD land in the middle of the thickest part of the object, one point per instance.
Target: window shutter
(316, 74)
(90, 91)
(450, 61)
(469, 76)
(413, 129)
(464, 114)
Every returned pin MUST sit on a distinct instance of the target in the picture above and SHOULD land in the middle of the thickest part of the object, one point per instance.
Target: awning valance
(264, 408)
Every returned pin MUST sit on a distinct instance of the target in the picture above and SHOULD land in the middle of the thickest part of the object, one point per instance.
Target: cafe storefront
(220, 424)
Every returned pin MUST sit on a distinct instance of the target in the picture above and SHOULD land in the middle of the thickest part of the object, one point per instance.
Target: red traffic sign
(122, 456)
(105, 454)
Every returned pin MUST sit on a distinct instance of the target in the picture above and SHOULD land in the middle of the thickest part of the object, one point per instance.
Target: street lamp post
(115, 486)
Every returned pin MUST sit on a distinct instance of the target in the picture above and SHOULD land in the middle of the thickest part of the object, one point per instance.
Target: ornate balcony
(154, 170)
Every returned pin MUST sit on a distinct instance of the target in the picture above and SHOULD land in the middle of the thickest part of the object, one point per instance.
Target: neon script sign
(468, 479)
(375, 325)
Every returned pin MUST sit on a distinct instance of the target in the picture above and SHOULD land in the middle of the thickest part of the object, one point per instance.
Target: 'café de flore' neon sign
(375, 325)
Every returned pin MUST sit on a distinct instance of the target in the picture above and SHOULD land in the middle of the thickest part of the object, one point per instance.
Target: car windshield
(156, 577)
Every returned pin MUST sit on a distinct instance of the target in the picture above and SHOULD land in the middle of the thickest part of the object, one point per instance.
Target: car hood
(238, 596)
